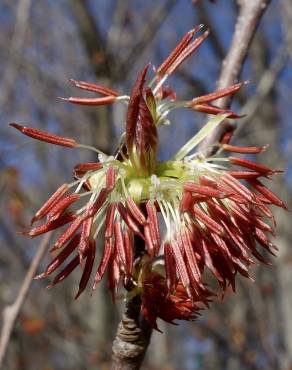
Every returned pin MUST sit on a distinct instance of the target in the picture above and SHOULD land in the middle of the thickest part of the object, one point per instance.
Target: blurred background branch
(11, 312)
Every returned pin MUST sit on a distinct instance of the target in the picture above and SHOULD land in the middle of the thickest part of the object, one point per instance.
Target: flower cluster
(212, 219)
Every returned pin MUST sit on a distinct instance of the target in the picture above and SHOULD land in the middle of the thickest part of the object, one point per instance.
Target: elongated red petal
(263, 240)
(85, 240)
(187, 52)
(192, 263)
(82, 168)
(186, 201)
(244, 149)
(163, 68)
(68, 233)
(209, 262)
(119, 243)
(204, 190)
(91, 101)
(94, 88)
(45, 136)
(110, 178)
(135, 211)
(113, 275)
(267, 193)
(154, 225)
(148, 241)
(231, 90)
(251, 165)
(181, 267)
(107, 253)
(207, 221)
(129, 221)
(128, 246)
(65, 272)
(51, 225)
(238, 187)
(62, 205)
(244, 174)
(170, 270)
(54, 198)
(87, 268)
(99, 202)
(61, 257)
(109, 221)
(211, 109)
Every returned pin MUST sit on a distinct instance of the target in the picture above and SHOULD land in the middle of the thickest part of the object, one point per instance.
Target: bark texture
(132, 338)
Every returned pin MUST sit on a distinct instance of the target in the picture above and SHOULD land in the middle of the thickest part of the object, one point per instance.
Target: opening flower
(212, 219)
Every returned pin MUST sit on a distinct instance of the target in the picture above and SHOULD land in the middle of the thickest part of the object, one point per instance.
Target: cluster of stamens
(211, 219)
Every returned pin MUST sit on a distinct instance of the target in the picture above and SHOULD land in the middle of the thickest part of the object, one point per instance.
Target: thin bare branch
(95, 45)
(16, 44)
(250, 14)
(264, 87)
(11, 312)
(146, 35)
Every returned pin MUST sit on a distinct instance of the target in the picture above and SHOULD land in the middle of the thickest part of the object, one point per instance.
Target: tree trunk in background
(265, 124)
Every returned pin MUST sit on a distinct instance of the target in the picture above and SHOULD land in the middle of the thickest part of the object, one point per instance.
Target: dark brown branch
(90, 34)
(146, 35)
(11, 312)
(250, 14)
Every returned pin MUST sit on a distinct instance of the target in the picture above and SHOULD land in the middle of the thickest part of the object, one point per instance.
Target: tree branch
(15, 51)
(90, 34)
(132, 339)
(11, 312)
(250, 14)
(146, 35)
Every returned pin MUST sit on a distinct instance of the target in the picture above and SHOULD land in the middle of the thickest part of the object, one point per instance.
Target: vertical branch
(15, 52)
(11, 312)
(250, 14)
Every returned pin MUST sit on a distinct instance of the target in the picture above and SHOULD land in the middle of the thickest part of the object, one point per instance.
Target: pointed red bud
(133, 109)
(94, 88)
